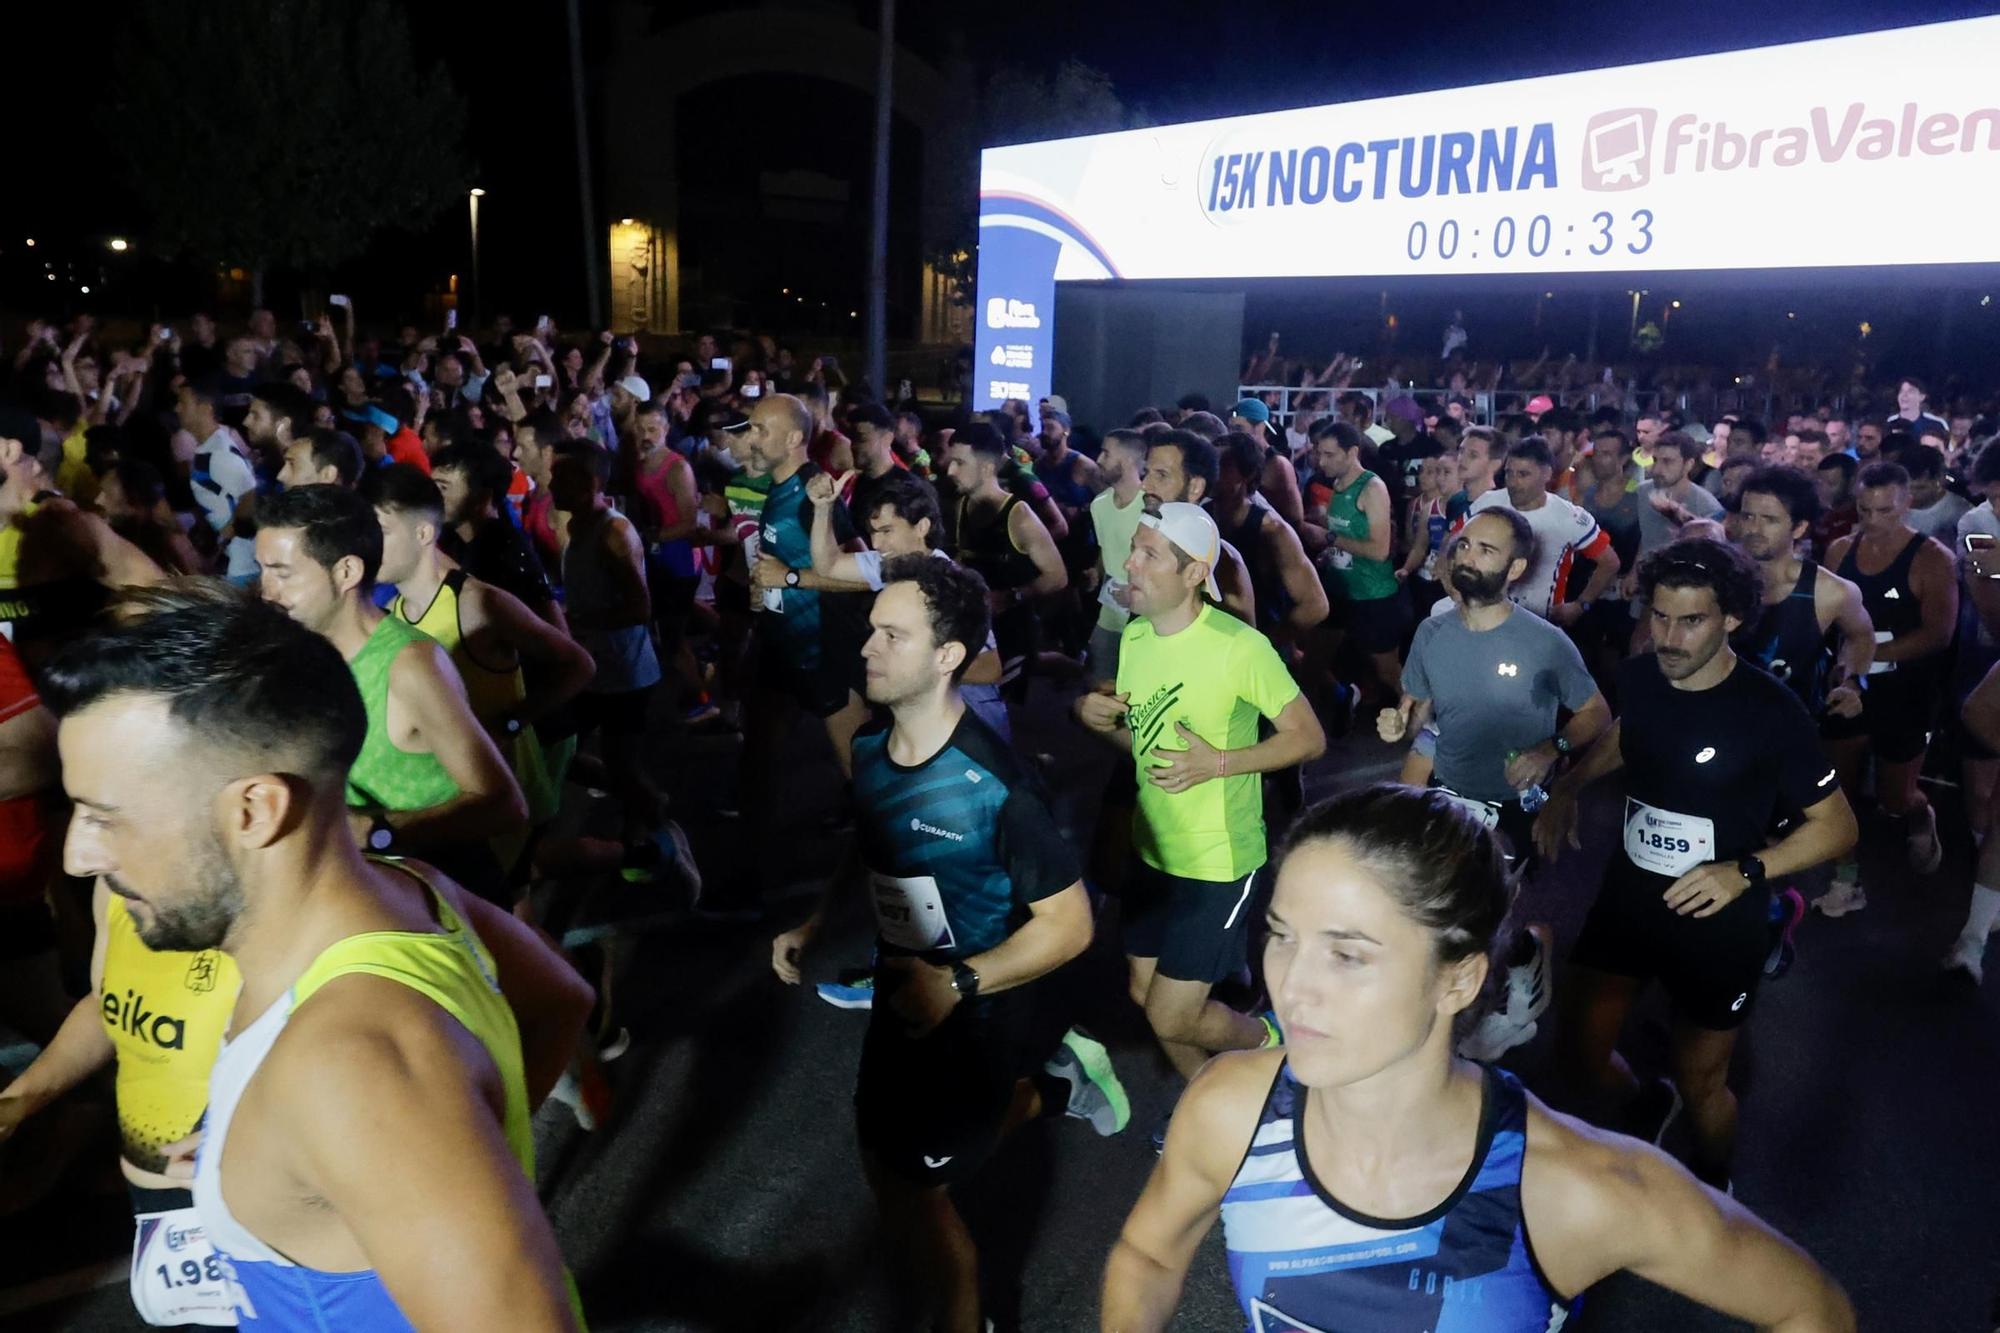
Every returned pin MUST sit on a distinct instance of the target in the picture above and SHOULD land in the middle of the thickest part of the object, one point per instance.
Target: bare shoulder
(360, 1035)
(1219, 1110)
(420, 664)
(1586, 1195)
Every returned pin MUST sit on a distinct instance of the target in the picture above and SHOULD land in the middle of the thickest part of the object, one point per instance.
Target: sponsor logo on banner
(1002, 313)
(1618, 149)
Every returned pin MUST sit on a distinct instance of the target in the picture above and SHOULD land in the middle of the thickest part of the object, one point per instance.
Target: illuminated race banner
(1877, 149)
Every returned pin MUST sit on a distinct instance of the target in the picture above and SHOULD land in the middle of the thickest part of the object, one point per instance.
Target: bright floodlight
(120, 243)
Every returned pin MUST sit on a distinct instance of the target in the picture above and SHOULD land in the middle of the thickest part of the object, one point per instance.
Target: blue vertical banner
(1015, 343)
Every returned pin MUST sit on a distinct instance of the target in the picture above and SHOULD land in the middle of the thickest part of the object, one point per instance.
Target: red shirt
(25, 845)
(538, 521)
(406, 446)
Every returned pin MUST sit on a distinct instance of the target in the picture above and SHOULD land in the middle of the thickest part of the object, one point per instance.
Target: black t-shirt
(1738, 756)
(500, 554)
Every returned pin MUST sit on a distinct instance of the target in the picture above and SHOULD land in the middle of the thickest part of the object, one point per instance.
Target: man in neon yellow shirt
(1193, 683)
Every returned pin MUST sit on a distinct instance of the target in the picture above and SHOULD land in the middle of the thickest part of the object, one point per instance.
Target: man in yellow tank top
(158, 1017)
(366, 1160)
(517, 669)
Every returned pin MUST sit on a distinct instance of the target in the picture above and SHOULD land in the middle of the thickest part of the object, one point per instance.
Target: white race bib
(909, 912)
(177, 1277)
(1664, 842)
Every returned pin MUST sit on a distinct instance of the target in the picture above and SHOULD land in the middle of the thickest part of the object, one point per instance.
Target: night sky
(1172, 59)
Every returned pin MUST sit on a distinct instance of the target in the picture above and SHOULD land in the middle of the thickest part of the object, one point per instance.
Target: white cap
(637, 387)
(1193, 532)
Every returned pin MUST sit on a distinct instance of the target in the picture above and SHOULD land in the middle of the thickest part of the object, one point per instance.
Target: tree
(283, 133)
(1018, 105)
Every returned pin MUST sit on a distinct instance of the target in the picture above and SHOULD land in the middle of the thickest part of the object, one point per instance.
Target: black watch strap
(1751, 868)
(964, 980)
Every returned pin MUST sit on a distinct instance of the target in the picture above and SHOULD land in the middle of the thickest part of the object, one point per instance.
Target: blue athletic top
(1303, 1263)
(956, 847)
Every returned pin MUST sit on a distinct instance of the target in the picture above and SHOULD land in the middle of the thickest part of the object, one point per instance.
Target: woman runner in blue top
(1370, 1181)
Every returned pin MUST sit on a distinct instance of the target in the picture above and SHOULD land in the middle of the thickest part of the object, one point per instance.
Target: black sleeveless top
(1788, 642)
(984, 544)
(1273, 603)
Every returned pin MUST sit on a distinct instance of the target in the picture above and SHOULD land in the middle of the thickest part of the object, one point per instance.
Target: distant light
(1677, 305)
(1866, 328)
(50, 276)
(31, 240)
(1548, 296)
(478, 193)
(784, 291)
(1791, 314)
(85, 290)
(625, 222)
(1984, 300)
(119, 243)
(854, 314)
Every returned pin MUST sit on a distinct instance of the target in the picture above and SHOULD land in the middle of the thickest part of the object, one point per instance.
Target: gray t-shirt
(1492, 692)
(1654, 530)
(1941, 519)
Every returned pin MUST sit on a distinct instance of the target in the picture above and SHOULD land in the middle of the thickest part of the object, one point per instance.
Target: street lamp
(472, 201)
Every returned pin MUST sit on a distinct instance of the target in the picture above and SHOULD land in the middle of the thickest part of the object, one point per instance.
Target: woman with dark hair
(1369, 1179)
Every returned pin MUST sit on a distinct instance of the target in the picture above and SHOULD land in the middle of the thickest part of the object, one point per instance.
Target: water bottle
(1532, 797)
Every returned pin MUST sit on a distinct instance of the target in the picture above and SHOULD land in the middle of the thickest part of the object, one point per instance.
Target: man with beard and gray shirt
(1493, 677)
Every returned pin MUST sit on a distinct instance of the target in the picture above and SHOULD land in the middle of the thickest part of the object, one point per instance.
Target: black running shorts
(1195, 929)
(1709, 966)
(930, 1109)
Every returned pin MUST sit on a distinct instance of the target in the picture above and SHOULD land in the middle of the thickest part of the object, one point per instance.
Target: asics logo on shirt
(1707, 753)
(935, 1162)
(1741, 1000)
(919, 826)
(1831, 774)
(1507, 669)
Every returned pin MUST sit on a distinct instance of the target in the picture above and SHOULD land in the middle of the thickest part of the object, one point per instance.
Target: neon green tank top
(383, 775)
(1363, 579)
(453, 970)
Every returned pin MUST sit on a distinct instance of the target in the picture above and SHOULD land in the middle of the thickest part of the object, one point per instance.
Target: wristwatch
(1561, 742)
(791, 578)
(964, 980)
(1752, 869)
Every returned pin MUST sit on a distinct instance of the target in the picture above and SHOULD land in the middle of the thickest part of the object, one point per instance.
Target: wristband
(1222, 759)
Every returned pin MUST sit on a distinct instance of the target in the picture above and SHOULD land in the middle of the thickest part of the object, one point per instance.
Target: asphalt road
(725, 1192)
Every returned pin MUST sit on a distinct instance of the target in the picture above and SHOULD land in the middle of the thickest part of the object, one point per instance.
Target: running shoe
(702, 714)
(1787, 910)
(588, 1104)
(853, 989)
(672, 841)
(1095, 1094)
(674, 850)
(1527, 999)
(1967, 958)
(1845, 896)
(1926, 853)
(1346, 703)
